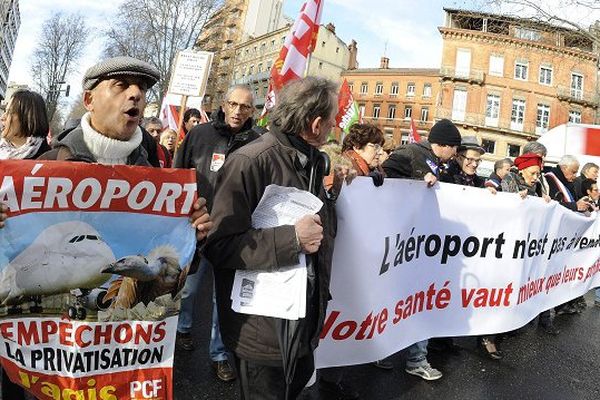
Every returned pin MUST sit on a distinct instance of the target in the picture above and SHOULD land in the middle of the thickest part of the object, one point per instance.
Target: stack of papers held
(280, 293)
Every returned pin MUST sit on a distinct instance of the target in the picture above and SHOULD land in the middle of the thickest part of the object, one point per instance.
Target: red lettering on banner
(486, 297)
(57, 186)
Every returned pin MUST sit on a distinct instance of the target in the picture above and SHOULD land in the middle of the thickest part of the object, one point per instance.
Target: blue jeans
(216, 348)
(417, 354)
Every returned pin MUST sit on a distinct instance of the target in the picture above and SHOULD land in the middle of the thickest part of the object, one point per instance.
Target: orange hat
(528, 160)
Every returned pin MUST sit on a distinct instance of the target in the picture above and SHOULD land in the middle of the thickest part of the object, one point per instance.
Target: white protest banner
(92, 259)
(190, 73)
(412, 262)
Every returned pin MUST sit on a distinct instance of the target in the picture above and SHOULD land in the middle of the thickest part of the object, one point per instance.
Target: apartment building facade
(390, 97)
(507, 80)
(9, 29)
(254, 59)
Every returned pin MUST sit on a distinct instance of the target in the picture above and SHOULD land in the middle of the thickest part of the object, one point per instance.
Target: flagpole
(180, 124)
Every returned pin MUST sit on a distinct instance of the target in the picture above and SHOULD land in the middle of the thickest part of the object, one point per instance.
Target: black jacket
(557, 194)
(234, 244)
(205, 148)
(412, 160)
(454, 174)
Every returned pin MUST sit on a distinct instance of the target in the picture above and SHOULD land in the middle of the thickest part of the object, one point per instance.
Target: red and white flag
(348, 113)
(413, 135)
(169, 111)
(293, 57)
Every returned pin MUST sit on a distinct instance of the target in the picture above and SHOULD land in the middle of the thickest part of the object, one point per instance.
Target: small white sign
(190, 73)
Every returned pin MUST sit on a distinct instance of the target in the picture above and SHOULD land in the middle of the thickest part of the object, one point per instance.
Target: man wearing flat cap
(115, 97)
(462, 170)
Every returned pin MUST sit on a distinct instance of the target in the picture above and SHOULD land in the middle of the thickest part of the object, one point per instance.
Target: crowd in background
(241, 346)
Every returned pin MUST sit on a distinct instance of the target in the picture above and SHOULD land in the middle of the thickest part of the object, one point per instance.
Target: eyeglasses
(469, 160)
(243, 107)
(377, 147)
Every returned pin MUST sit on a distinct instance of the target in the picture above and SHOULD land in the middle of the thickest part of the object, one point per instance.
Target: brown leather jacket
(234, 244)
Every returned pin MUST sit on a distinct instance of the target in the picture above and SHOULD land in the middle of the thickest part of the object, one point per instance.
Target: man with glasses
(205, 148)
(424, 160)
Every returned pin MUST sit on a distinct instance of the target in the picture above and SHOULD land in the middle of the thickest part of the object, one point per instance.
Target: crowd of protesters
(235, 161)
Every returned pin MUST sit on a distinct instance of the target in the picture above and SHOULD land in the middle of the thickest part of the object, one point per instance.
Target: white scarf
(8, 151)
(107, 150)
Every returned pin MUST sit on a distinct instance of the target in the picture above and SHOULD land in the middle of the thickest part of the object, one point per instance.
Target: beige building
(508, 81)
(11, 20)
(234, 22)
(254, 59)
(390, 97)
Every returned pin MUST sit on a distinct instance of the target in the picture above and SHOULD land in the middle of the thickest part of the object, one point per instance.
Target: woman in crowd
(462, 170)
(524, 182)
(363, 146)
(168, 138)
(25, 127)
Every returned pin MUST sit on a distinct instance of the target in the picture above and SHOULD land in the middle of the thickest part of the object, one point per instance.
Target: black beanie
(444, 132)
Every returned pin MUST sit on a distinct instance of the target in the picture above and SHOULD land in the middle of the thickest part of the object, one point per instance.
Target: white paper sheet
(281, 293)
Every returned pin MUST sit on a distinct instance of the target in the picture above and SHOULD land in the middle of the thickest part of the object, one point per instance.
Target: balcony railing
(479, 120)
(472, 76)
(585, 98)
(260, 76)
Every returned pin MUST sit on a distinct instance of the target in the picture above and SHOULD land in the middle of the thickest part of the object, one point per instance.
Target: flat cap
(120, 66)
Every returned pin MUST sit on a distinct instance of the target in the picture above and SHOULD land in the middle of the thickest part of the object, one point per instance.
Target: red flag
(348, 113)
(293, 57)
(413, 136)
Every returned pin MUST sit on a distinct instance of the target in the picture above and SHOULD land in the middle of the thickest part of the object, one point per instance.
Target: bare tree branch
(155, 30)
(60, 45)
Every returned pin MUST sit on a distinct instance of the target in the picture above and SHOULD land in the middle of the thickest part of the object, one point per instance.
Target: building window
(351, 86)
(543, 118)
(427, 90)
(410, 89)
(527, 34)
(320, 64)
(496, 65)
(364, 88)
(361, 109)
(389, 133)
(407, 112)
(255, 49)
(376, 111)
(392, 112)
(489, 146)
(337, 50)
(404, 139)
(378, 89)
(546, 75)
(251, 70)
(575, 117)
(259, 67)
(577, 86)
(394, 89)
(459, 104)
(513, 150)
(269, 65)
(282, 40)
(273, 44)
(262, 48)
(492, 110)
(517, 115)
(424, 114)
(521, 70)
(323, 43)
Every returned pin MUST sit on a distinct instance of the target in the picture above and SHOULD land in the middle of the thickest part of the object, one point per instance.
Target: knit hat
(444, 132)
(470, 143)
(120, 66)
(528, 160)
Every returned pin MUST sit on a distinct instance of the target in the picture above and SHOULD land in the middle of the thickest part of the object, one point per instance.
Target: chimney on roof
(352, 55)
(385, 63)
(330, 27)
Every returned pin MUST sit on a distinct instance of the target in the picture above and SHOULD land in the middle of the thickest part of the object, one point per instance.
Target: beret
(528, 160)
(120, 66)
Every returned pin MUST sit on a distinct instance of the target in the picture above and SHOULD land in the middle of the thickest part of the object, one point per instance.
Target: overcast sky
(409, 27)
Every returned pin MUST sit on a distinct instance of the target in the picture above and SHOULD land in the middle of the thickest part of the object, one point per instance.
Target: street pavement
(536, 366)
